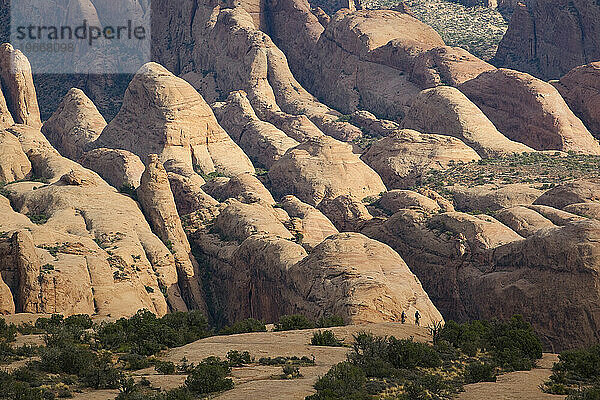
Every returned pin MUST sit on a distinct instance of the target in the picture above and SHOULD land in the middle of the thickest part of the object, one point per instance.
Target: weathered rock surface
(157, 202)
(119, 168)
(488, 198)
(401, 158)
(547, 38)
(323, 168)
(164, 115)
(74, 125)
(570, 193)
(308, 221)
(14, 164)
(525, 221)
(543, 121)
(63, 265)
(18, 88)
(581, 90)
(588, 210)
(244, 187)
(396, 200)
(444, 110)
(262, 141)
(346, 213)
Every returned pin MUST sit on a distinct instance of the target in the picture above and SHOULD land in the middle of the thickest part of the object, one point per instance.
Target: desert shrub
(330, 321)
(294, 360)
(135, 362)
(101, 373)
(245, 326)
(209, 377)
(290, 371)
(427, 387)
(7, 332)
(65, 357)
(406, 353)
(480, 372)
(342, 381)
(587, 393)
(514, 345)
(11, 388)
(238, 358)
(582, 365)
(293, 322)
(325, 338)
(165, 367)
(146, 334)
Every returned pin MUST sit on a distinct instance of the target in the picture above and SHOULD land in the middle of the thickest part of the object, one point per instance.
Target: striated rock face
(245, 188)
(525, 221)
(544, 121)
(64, 265)
(396, 200)
(6, 118)
(308, 221)
(119, 168)
(401, 158)
(18, 88)
(570, 193)
(164, 115)
(346, 213)
(74, 125)
(581, 90)
(14, 164)
(547, 38)
(489, 198)
(263, 142)
(447, 66)
(155, 197)
(321, 169)
(445, 110)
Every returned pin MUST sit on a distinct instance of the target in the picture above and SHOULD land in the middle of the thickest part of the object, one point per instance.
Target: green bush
(427, 387)
(134, 362)
(7, 332)
(480, 372)
(342, 381)
(588, 393)
(329, 322)
(245, 326)
(238, 359)
(209, 377)
(290, 371)
(165, 367)
(101, 373)
(581, 365)
(325, 338)
(293, 322)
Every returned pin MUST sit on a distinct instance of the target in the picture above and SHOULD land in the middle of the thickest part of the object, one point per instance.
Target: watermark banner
(82, 37)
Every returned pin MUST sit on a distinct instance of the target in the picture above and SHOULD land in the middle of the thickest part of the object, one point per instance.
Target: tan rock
(558, 217)
(120, 168)
(570, 193)
(544, 121)
(525, 221)
(446, 66)
(321, 169)
(490, 197)
(14, 164)
(189, 195)
(346, 213)
(155, 197)
(6, 118)
(313, 224)
(74, 125)
(588, 210)
(262, 141)
(239, 221)
(581, 90)
(18, 88)
(7, 304)
(396, 200)
(175, 122)
(401, 158)
(244, 187)
(444, 110)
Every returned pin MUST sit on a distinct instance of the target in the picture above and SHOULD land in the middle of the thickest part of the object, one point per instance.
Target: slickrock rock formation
(488, 198)
(163, 114)
(308, 221)
(588, 210)
(156, 199)
(213, 37)
(558, 217)
(346, 213)
(17, 85)
(525, 221)
(74, 125)
(262, 141)
(570, 193)
(401, 158)
(6, 118)
(119, 168)
(543, 121)
(547, 38)
(7, 304)
(63, 265)
(244, 187)
(396, 200)
(445, 110)
(14, 164)
(239, 221)
(323, 168)
(581, 90)
(447, 66)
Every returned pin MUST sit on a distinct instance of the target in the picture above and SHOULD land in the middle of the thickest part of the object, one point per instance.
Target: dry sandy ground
(257, 381)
